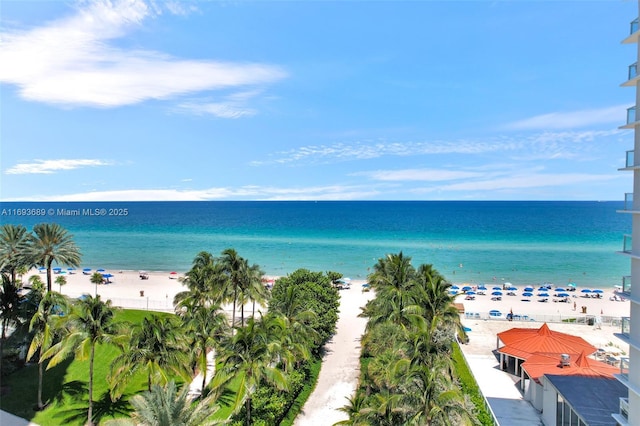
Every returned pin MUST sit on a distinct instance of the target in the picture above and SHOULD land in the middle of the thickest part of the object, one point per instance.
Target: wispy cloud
(430, 175)
(52, 166)
(545, 145)
(571, 119)
(75, 61)
(221, 110)
(323, 192)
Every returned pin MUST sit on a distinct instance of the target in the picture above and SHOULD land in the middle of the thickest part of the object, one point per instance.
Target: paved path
(340, 367)
(8, 419)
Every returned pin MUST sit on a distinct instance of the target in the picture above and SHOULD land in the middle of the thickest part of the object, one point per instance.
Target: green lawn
(470, 387)
(65, 387)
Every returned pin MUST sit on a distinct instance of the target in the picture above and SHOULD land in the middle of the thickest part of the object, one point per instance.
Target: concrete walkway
(8, 419)
(498, 387)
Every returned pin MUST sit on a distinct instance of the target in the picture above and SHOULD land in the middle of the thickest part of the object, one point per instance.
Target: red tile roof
(538, 365)
(524, 342)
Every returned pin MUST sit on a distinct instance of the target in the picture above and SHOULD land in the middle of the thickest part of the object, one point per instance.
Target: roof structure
(524, 342)
(593, 398)
(538, 365)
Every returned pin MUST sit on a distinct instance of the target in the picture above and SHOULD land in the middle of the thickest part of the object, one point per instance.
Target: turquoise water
(520, 242)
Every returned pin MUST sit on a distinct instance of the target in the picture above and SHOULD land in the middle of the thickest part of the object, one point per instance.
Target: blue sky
(323, 100)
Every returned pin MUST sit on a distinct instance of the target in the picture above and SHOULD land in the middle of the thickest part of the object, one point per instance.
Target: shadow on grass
(103, 407)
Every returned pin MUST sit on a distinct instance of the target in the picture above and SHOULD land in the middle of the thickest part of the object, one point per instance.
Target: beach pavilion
(519, 344)
(536, 367)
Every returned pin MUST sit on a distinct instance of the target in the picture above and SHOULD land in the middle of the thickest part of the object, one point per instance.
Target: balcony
(628, 201)
(632, 75)
(624, 368)
(630, 159)
(626, 284)
(627, 244)
(632, 38)
(625, 329)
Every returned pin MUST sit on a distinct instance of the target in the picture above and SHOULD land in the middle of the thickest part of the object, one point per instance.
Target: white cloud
(328, 192)
(528, 180)
(572, 119)
(72, 61)
(222, 110)
(431, 175)
(545, 145)
(52, 166)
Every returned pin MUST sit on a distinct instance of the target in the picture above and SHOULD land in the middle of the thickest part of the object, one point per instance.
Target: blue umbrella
(563, 295)
(86, 271)
(497, 288)
(543, 294)
(57, 269)
(100, 270)
(597, 290)
(528, 288)
(71, 270)
(453, 292)
(471, 293)
(42, 269)
(585, 290)
(496, 293)
(542, 289)
(512, 288)
(454, 287)
(559, 289)
(466, 288)
(482, 287)
(527, 294)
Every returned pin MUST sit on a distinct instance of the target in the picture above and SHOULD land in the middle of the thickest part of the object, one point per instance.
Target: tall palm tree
(13, 254)
(91, 322)
(166, 406)
(251, 356)
(235, 267)
(9, 307)
(52, 243)
(204, 328)
(156, 347)
(256, 290)
(42, 326)
(61, 280)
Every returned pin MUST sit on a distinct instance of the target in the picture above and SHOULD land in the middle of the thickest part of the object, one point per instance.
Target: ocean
(523, 242)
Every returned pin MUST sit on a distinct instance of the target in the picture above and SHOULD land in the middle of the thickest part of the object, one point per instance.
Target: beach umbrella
(527, 294)
(563, 295)
(454, 287)
(559, 289)
(528, 288)
(542, 289)
(466, 288)
(57, 269)
(471, 293)
(585, 290)
(366, 285)
(86, 271)
(497, 288)
(597, 290)
(512, 288)
(71, 270)
(482, 287)
(100, 270)
(543, 294)
(496, 293)
(453, 292)
(42, 269)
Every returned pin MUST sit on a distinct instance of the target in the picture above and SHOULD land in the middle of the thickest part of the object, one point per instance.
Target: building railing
(627, 244)
(630, 159)
(631, 115)
(633, 71)
(624, 367)
(628, 201)
(626, 284)
(625, 328)
(634, 26)
(624, 407)
(590, 319)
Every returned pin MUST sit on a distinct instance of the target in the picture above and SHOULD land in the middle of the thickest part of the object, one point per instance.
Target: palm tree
(61, 280)
(166, 406)
(91, 322)
(251, 356)
(96, 278)
(13, 255)
(52, 243)
(155, 347)
(256, 290)
(204, 328)
(235, 267)
(206, 282)
(51, 306)
(9, 307)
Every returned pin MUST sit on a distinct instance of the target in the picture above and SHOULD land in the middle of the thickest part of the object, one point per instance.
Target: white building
(629, 412)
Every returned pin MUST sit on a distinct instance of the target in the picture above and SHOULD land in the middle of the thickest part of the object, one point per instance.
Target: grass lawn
(470, 387)
(65, 387)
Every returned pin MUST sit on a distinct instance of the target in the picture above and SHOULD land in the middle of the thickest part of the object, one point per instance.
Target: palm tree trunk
(233, 314)
(49, 277)
(248, 406)
(90, 411)
(40, 404)
(204, 371)
(242, 314)
(253, 310)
